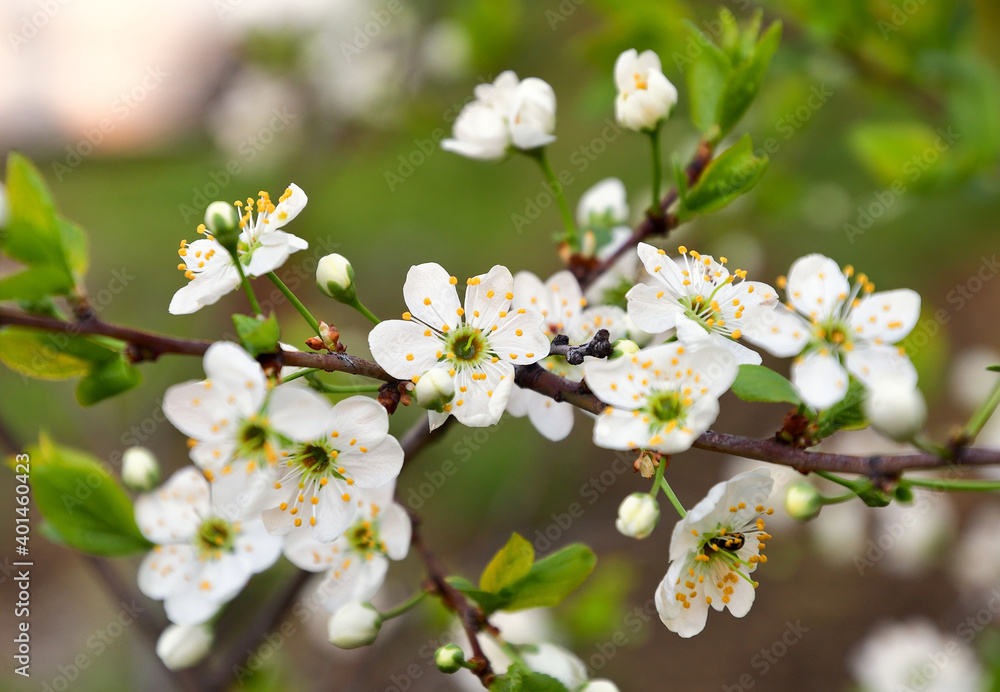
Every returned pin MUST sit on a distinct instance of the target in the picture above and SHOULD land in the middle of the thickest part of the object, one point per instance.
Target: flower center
(666, 407)
(467, 345)
(314, 461)
(364, 539)
(707, 313)
(640, 81)
(255, 442)
(215, 536)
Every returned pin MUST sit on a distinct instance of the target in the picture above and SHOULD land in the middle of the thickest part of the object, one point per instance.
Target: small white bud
(637, 515)
(354, 625)
(604, 204)
(335, 278)
(449, 658)
(140, 470)
(599, 686)
(624, 347)
(434, 389)
(896, 409)
(182, 646)
(802, 501)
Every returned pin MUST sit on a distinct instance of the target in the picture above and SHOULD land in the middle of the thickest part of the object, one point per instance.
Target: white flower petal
(820, 379)
(173, 512)
(274, 250)
(404, 348)
(358, 580)
(204, 289)
(487, 296)
(816, 286)
(430, 295)
(618, 429)
(376, 466)
(235, 373)
(395, 530)
(886, 316)
(305, 552)
(256, 547)
(871, 363)
(299, 414)
(781, 333)
(164, 571)
(289, 208)
(652, 309)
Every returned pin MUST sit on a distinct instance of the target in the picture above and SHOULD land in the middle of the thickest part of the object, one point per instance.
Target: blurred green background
(882, 123)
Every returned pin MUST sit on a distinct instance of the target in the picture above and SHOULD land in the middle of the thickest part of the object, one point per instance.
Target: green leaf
(36, 354)
(510, 564)
(758, 383)
(731, 174)
(74, 240)
(33, 237)
(107, 379)
(744, 83)
(82, 504)
(517, 679)
(846, 414)
(258, 336)
(552, 578)
(489, 602)
(706, 80)
(889, 149)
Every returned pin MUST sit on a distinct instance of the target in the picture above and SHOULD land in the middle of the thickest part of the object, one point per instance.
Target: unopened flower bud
(896, 409)
(434, 389)
(140, 471)
(605, 204)
(182, 646)
(449, 658)
(335, 278)
(599, 686)
(354, 625)
(803, 501)
(624, 347)
(637, 515)
(223, 221)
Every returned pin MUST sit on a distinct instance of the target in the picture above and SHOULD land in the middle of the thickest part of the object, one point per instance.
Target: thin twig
(598, 347)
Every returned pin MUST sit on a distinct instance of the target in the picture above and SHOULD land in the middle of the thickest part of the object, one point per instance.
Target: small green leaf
(489, 602)
(107, 379)
(517, 679)
(758, 383)
(706, 79)
(994, 368)
(74, 240)
(257, 335)
(82, 504)
(846, 414)
(510, 564)
(552, 578)
(744, 83)
(731, 174)
(36, 354)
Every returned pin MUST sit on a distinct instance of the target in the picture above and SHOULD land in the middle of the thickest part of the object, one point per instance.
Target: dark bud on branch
(598, 347)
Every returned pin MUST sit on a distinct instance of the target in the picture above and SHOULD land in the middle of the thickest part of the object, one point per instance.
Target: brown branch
(598, 347)
(651, 225)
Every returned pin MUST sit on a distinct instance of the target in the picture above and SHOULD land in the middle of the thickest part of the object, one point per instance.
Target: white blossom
(701, 299)
(477, 345)
(895, 408)
(915, 655)
(508, 113)
(354, 625)
(182, 646)
(837, 329)
(262, 248)
(140, 470)
(662, 398)
(637, 515)
(645, 95)
(713, 551)
(356, 563)
(202, 559)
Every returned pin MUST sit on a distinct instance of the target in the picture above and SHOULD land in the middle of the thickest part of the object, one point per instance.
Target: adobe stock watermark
(364, 34)
(914, 168)
(562, 12)
(34, 23)
(769, 656)
(121, 108)
(580, 160)
(248, 149)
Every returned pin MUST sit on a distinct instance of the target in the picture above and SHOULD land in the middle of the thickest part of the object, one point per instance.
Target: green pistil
(364, 538)
(467, 345)
(215, 536)
(314, 461)
(666, 407)
(255, 442)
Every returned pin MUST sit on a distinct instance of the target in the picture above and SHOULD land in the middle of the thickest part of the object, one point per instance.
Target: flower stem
(952, 486)
(254, 305)
(837, 499)
(658, 479)
(296, 302)
(654, 139)
(404, 606)
(673, 498)
(560, 195)
(921, 442)
(344, 388)
(301, 373)
(359, 306)
(833, 478)
(979, 418)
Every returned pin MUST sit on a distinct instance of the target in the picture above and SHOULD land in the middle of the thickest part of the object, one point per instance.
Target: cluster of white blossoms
(278, 470)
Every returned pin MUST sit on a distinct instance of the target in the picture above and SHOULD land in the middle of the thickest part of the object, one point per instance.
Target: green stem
(837, 499)
(254, 305)
(560, 195)
(512, 652)
(359, 306)
(296, 302)
(979, 418)
(654, 208)
(346, 388)
(952, 486)
(673, 498)
(404, 606)
(833, 478)
(921, 442)
(658, 479)
(301, 373)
